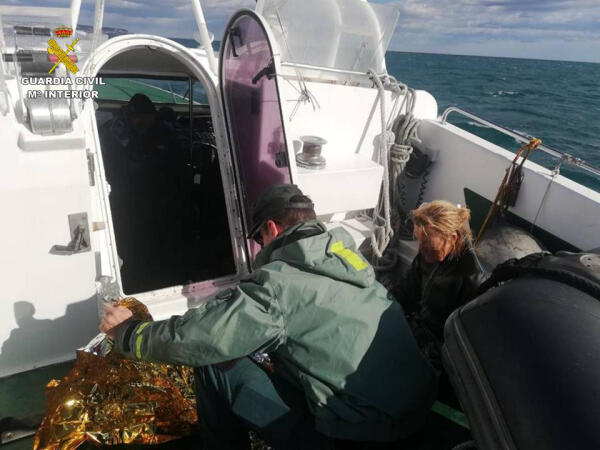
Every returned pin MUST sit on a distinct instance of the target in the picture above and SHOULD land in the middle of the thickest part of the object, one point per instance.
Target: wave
(506, 93)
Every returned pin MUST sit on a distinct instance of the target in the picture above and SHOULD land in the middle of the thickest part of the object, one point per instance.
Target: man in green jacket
(346, 365)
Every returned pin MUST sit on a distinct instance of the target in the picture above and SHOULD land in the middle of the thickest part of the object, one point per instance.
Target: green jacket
(313, 304)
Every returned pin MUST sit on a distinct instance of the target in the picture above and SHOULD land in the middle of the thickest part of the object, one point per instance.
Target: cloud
(456, 25)
(500, 18)
(453, 26)
(172, 18)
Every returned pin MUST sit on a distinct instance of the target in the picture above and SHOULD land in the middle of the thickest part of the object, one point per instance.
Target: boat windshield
(347, 35)
(161, 91)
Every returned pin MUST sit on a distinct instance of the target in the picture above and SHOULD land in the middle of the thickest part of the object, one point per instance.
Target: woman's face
(434, 246)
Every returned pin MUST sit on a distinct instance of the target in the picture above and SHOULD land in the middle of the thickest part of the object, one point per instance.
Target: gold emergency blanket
(108, 400)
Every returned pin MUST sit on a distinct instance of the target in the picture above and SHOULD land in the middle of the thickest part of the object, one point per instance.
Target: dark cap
(141, 104)
(272, 202)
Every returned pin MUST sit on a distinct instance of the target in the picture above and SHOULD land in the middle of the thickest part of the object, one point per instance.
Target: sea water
(555, 101)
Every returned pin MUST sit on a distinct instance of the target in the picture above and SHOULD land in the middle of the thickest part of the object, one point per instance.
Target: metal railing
(322, 69)
(564, 157)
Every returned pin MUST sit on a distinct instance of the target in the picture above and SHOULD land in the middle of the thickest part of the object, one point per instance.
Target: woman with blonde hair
(445, 273)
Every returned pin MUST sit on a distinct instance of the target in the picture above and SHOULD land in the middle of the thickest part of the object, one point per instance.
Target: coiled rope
(382, 231)
(394, 148)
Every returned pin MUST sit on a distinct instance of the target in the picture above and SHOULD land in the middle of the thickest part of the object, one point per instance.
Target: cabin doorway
(161, 161)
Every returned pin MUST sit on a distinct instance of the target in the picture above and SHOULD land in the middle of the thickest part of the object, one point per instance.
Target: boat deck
(22, 397)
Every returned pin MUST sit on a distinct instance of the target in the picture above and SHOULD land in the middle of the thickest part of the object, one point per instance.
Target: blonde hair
(444, 218)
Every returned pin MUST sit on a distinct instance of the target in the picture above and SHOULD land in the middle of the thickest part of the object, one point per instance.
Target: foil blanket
(108, 400)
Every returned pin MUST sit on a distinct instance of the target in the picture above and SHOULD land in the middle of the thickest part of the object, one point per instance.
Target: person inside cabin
(443, 276)
(123, 139)
(141, 160)
(140, 144)
(345, 366)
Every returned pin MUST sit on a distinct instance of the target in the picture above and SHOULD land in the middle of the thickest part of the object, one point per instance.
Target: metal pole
(204, 37)
(326, 69)
(98, 20)
(75, 7)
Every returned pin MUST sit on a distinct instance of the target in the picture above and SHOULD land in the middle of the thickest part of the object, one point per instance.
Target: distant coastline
(503, 57)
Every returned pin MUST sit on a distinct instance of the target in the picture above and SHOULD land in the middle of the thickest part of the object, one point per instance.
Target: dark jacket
(431, 291)
(330, 328)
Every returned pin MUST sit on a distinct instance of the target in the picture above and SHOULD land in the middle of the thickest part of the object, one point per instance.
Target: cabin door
(252, 109)
(166, 193)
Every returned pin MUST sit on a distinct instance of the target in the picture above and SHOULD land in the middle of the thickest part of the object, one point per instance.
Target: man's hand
(113, 316)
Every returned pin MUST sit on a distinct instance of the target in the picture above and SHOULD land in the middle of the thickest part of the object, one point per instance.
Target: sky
(538, 29)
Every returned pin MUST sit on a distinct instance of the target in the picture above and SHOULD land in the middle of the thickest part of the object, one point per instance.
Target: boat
(298, 93)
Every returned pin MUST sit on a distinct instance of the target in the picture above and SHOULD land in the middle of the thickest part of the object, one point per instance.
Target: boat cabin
(145, 189)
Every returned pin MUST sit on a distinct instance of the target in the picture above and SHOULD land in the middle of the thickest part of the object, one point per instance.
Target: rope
(382, 233)
(405, 130)
(393, 150)
(510, 175)
(555, 172)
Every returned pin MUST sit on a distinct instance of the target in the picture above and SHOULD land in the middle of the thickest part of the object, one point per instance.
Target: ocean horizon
(500, 57)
